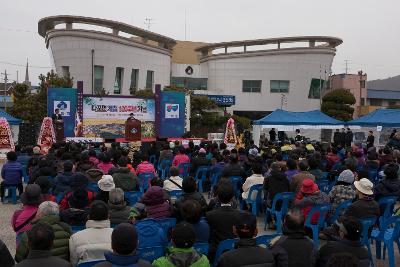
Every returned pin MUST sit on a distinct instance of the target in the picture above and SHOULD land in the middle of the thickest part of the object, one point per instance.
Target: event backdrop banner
(172, 113)
(65, 100)
(105, 117)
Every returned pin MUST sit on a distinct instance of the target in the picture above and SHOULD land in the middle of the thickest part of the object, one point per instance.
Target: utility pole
(346, 62)
(5, 90)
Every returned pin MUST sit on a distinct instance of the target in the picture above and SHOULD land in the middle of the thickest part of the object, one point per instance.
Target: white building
(262, 74)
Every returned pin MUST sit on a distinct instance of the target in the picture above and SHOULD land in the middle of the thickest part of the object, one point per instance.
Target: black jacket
(349, 138)
(233, 170)
(190, 196)
(198, 162)
(221, 222)
(362, 208)
(119, 213)
(370, 141)
(293, 249)
(74, 217)
(248, 254)
(6, 260)
(41, 258)
(343, 246)
(275, 183)
(336, 138)
(387, 187)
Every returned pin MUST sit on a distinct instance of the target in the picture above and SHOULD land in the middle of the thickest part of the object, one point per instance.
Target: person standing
(343, 138)
(336, 138)
(349, 137)
(56, 116)
(298, 137)
(272, 135)
(133, 129)
(370, 139)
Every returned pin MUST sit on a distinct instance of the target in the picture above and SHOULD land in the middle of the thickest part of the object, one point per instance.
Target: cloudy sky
(370, 29)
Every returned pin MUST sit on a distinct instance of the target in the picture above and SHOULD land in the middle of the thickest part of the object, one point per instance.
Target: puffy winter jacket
(27, 213)
(94, 175)
(119, 213)
(387, 187)
(12, 173)
(125, 179)
(182, 257)
(156, 206)
(62, 183)
(62, 233)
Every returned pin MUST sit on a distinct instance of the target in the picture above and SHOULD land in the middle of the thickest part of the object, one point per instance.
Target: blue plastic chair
(324, 186)
(184, 169)
(255, 203)
(201, 248)
(367, 223)
(235, 180)
(145, 179)
(339, 210)
(388, 234)
(167, 225)
(163, 168)
(201, 176)
(93, 187)
(373, 175)
(77, 228)
(10, 194)
(25, 175)
(323, 210)
(132, 197)
(283, 198)
(224, 245)
(175, 193)
(89, 263)
(387, 203)
(150, 254)
(153, 160)
(214, 177)
(265, 239)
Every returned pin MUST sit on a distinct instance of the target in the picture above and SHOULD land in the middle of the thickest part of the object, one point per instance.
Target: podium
(133, 130)
(59, 130)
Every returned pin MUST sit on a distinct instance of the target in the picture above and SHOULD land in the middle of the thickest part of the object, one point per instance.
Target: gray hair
(48, 208)
(116, 196)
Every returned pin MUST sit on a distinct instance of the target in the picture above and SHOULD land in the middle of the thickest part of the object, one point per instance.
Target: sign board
(223, 100)
(379, 128)
(84, 139)
(65, 100)
(105, 117)
(172, 114)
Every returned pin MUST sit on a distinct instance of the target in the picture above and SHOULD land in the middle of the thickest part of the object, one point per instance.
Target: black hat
(44, 183)
(79, 199)
(32, 195)
(124, 239)
(183, 235)
(246, 222)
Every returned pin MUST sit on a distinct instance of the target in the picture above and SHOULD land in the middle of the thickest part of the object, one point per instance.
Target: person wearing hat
(78, 181)
(77, 213)
(106, 183)
(45, 185)
(48, 212)
(124, 242)
(390, 185)
(182, 251)
(309, 196)
(246, 253)
(199, 161)
(31, 199)
(349, 241)
(343, 190)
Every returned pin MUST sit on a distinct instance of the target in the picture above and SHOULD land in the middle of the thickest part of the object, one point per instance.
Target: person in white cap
(343, 189)
(106, 184)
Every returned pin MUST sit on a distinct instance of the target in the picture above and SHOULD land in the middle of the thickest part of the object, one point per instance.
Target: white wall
(75, 52)
(225, 76)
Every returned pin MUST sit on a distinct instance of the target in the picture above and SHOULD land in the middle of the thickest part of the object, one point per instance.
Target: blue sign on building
(223, 100)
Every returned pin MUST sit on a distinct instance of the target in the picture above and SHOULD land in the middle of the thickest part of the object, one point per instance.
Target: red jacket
(64, 202)
(145, 166)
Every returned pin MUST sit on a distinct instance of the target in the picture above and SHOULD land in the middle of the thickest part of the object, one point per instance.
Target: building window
(315, 88)
(119, 76)
(98, 78)
(375, 102)
(392, 103)
(251, 86)
(362, 101)
(149, 79)
(65, 71)
(279, 86)
(362, 83)
(134, 79)
(190, 83)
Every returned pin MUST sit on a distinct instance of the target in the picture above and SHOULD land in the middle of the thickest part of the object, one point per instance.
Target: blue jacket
(12, 173)
(23, 158)
(62, 183)
(113, 259)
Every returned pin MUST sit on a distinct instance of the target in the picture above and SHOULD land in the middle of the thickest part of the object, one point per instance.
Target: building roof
(383, 94)
(49, 23)
(184, 52)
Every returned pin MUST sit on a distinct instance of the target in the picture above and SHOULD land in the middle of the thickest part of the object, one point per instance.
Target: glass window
(362, 84)
(375, 102)
(65, 71)
(190, 83)
(149, 79)
(98, 78)
(119, 76)
(315, 88)
(134, 79)
(251, 86)
(279, 86)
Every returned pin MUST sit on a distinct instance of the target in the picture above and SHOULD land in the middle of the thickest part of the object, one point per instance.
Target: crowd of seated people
(77, 206)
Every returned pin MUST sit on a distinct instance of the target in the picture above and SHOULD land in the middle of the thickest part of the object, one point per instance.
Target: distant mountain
(391, 83)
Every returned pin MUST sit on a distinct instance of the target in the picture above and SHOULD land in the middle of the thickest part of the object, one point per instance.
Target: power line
(22, 65)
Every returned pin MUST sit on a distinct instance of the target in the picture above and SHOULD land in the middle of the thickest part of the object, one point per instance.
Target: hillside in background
(391, 83)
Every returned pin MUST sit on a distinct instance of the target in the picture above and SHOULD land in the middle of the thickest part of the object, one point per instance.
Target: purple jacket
(12, 173)
(156, 206)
